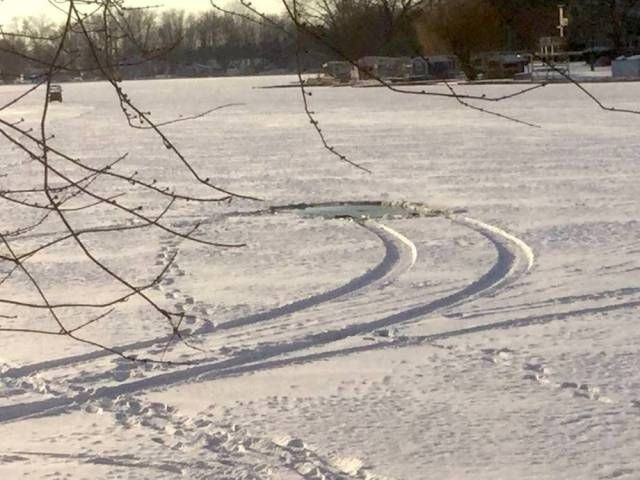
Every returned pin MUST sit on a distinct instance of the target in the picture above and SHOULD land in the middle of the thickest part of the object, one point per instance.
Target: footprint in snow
(584, 390)
(537, 368)
(537, 377)
(121, 375)
(587, 391)
(182, 307)
(565, 385)
(500, 355)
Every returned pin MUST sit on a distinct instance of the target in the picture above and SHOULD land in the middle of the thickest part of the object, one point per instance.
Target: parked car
(55, 93)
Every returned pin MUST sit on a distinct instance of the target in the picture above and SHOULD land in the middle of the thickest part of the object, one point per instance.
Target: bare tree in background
(363, 27)
(462, 28)
(617, 14)
(598, 22)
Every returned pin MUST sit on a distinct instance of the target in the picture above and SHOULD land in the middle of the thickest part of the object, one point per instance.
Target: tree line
(141, 42)
(518, 24)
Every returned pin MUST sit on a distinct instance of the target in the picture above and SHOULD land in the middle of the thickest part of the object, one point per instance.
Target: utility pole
(593, 24)
(564, 21)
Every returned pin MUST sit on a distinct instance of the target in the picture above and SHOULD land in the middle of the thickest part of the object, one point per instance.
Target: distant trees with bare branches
(143, 42)
(148, 41)
(364, 27)
(460, 27)
(518, 24)
(606, 22)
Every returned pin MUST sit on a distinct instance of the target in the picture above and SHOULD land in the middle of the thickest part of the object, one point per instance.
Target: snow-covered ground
(497, 341)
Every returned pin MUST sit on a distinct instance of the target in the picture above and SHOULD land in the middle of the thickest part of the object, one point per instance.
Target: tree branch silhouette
(61, 194)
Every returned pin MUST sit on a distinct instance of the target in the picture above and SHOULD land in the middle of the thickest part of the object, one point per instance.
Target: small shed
(626, 67)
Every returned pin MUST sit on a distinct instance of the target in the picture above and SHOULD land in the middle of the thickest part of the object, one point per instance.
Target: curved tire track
(505, 269)
(393, 242)
(508, 248)
(393, 264)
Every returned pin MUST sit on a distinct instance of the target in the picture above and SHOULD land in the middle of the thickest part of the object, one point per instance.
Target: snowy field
(498, 340)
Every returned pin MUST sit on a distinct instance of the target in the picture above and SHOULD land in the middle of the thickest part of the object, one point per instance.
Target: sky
(24, 8)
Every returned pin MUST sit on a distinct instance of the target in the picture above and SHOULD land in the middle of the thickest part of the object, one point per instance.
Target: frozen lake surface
(497, 339)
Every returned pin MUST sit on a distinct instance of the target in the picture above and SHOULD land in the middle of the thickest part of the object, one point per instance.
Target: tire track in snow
(392, 259)
(525, 249)
(510, 250)
(403, 239)
(392, 265)
(352, 307)
(504, 267)
(420, 340)
(529, 320)
(552, 302)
